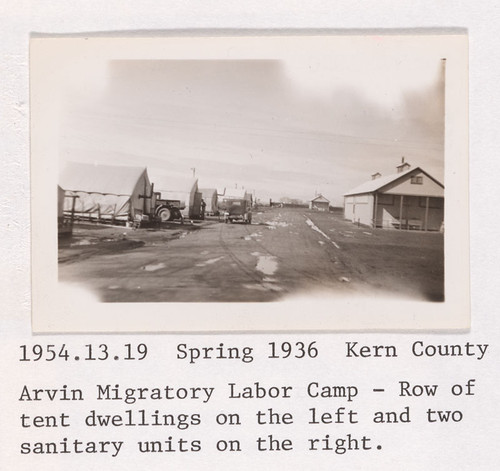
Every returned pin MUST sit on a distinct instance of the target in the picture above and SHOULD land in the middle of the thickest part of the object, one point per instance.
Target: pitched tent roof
(378, 184)
(236, 193)
(104, 179)
(320, 199)
(208, 192)
(111, 192)
(170, 184)
(176, 189)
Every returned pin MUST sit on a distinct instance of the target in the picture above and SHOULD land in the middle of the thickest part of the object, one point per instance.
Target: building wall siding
(428, 187)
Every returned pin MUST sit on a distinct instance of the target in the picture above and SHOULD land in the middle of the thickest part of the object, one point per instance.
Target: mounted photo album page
(250, 183)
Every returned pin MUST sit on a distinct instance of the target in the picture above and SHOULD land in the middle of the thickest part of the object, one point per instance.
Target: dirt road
(283, 251)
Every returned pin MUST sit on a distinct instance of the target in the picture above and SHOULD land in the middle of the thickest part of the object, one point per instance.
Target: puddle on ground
(154, 267)
(81, 242)
(267, 264)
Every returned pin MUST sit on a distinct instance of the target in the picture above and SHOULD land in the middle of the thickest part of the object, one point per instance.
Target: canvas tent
(106, 192)
(183, 192)
(409, 199)
(209, 195)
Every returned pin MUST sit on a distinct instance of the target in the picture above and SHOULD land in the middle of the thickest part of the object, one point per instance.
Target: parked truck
(166, 210)
(236, 209)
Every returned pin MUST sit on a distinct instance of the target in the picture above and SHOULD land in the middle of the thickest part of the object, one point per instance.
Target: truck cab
(236, 209)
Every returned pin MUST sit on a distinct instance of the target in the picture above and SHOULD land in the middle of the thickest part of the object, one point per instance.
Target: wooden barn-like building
(408, 199)
(320, 203)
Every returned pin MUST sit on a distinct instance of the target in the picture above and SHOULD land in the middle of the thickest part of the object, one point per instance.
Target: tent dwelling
(64, 224)
(180, 192)
(320, 203)
(249, 197)
(105, 192)
(408, 199)
(209, 195)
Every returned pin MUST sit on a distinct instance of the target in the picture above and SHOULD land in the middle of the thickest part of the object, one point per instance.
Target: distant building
(209, 195)
(106, 192)
(320, 203)
(408, 199)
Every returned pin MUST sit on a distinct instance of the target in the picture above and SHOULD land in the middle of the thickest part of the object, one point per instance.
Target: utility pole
(194, 171)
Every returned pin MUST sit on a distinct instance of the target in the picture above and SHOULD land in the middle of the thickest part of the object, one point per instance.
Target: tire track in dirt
(251, 274)
(290, 267)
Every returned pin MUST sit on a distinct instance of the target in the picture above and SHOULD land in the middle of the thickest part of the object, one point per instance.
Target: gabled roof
(320, 199)
(208, 192)
(378, 184)
(104, 179)
(235, 193)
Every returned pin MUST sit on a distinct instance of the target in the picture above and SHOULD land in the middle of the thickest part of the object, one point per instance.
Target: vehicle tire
(165, 215)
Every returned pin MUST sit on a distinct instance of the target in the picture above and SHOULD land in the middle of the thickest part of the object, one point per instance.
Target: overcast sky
(291, 126)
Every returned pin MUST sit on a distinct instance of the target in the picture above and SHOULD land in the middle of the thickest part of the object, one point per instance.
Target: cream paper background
(58, 307)
(473, 445)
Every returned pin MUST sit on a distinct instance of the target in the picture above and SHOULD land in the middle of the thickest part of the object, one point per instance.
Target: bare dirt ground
(283, 251)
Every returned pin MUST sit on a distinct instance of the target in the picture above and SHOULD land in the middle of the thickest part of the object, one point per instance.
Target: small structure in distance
(320, 203)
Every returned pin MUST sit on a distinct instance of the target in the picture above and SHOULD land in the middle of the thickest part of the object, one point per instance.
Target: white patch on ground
(320, 242)
(209, 262)
(344, 279)
(205, 252)
(113, 287)
(184, 234)
(367, 233)
(275, 224)
(158, 266)
(253, 236)
(317, 229)
(264, 287)
(267, 264)
(81, 242)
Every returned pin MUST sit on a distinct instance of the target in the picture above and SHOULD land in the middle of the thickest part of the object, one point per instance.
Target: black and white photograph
(258, 171)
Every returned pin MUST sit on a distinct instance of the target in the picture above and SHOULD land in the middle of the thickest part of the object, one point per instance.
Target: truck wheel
(165, 215)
